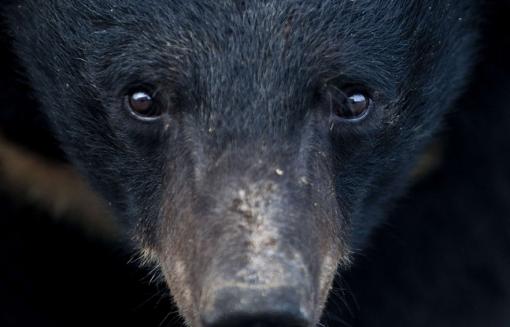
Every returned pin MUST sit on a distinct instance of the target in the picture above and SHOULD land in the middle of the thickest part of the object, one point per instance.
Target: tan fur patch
(56, 188)
(429, 161)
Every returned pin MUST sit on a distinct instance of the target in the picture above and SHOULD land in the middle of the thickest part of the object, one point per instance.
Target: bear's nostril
(260, 320)
(263, 307)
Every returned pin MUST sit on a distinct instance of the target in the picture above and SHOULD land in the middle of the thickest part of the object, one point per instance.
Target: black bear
(248, 148)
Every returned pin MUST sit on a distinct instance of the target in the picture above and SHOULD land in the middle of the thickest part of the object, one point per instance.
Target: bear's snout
(247, 254)
(233, 301)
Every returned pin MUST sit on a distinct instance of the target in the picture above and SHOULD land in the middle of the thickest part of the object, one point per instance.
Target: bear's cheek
(177, 276)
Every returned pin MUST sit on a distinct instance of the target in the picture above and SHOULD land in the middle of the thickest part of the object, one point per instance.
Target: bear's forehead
(269, 40)
(269, 25)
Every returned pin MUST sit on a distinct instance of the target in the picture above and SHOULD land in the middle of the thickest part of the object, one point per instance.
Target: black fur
(246, 86)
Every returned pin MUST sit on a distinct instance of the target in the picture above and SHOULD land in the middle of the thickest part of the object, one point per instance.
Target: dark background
(442, 259)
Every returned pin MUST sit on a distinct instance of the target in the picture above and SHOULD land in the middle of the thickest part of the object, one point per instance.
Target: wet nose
(263, 307)
(266, 320)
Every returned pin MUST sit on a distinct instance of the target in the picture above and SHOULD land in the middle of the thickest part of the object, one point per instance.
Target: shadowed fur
(248, 169)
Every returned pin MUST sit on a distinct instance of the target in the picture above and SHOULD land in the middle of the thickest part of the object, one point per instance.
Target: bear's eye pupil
(140, 103)
(355, 107)
(358, 103)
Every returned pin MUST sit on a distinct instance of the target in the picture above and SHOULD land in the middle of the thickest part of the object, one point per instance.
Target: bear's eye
(354, 106)
(141, 104)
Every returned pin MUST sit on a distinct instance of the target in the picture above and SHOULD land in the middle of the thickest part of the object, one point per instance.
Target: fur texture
(248, 140)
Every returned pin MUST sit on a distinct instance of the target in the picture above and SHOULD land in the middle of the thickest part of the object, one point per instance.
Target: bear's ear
(21, 121)
(48, 34)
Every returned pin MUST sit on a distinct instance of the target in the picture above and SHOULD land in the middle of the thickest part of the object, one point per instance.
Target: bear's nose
(252, 307)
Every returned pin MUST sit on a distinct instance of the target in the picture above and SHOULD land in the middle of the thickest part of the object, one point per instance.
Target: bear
(249, 149)
(441, 258)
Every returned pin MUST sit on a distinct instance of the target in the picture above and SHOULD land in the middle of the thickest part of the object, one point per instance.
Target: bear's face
(248, 147)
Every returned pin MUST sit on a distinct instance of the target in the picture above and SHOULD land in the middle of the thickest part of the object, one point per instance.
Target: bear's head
(248, 147)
